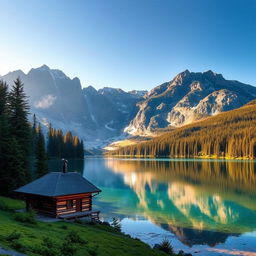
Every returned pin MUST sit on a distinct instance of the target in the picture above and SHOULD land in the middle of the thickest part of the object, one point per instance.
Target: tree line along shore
(229, 135)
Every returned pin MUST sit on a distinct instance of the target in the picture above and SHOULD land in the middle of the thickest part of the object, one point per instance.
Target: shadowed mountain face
(103, 116)
(96, 116)
(188, 97)
(191, 237)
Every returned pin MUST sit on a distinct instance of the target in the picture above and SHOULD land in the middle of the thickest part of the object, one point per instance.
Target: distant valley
(106, 115)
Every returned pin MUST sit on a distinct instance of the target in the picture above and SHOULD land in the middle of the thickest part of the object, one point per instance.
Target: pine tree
(16, 175)
(41, 157)
(33, 135)
(20, 127)
(81, 150)
(68, 145)
(50, 146)
(116, 224)
(11, 175)
(4, 137)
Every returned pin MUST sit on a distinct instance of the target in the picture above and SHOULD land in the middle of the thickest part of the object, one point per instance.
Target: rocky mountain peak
(58, 74)
(100, 116)
(181, 77)
(190, 96)
(212, 75)
(55, 73)
(185, 73)
(17, 73)
(138, 93)
(44, 67)
(90, 90)
(110, 90)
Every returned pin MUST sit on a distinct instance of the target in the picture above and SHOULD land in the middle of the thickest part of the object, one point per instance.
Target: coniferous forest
(23, 150)
(230, 135)
(64, 145)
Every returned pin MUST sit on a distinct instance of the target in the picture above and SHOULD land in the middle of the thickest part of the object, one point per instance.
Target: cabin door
(78, 205)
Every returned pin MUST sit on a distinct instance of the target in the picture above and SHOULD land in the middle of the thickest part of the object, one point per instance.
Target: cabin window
(69, 204)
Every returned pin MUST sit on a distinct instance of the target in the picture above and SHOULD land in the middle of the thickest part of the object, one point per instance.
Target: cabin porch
(93, 215)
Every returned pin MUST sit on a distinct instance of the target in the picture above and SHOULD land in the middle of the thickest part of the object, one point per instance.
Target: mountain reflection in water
(200, 201)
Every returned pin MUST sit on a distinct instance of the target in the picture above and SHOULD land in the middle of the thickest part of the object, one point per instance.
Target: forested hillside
(231, 134)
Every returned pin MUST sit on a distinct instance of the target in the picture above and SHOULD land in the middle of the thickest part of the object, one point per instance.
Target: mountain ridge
(228, 135)
(188, 97)
(109, 114)
(97, 116)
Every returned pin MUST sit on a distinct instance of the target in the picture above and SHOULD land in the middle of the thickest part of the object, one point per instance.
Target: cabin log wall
(56, 206)
(85, 203)
(41, 204)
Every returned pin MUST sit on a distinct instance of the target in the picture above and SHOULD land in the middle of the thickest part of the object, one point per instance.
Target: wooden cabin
(61, 195)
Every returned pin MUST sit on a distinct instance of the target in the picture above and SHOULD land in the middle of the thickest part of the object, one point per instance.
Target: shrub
(78, 221)
(68, 249)
(47, 248)
(18, 246)
(74, 237)
(91, 223)
(93, 250)
(116, 224)
(26, 217)
(9, 204)
(165, 246)
(64, 227)
(4, 206)
(44, 251)
(48, 242)
(49, 252)
(105, 223)
(13, 236)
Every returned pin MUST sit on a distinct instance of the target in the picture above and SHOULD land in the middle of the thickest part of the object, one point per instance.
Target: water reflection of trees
(206, 196)
(237, 176)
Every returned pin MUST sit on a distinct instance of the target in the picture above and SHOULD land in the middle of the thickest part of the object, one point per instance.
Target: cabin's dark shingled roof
(59, 184)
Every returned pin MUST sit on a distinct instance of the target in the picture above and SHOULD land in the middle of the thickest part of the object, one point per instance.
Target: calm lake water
(207, 207)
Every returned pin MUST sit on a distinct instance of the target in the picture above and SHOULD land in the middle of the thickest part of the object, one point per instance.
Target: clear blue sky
(131, 44)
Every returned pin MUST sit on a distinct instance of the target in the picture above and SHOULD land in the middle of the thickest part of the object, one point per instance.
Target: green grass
(10, 204)
(53, 239)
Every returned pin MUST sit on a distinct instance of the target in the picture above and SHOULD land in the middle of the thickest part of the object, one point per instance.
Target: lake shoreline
(175, 157)
(199, 204)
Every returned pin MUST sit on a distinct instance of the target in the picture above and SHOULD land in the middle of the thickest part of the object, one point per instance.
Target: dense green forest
(23, 151)
(231, 135)
(67, 146)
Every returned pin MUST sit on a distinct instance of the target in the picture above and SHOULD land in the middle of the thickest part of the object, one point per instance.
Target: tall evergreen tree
(68, 148)
(20, 127)
(50, 137)
(4, 137)
(41, 157)
(33, 135)
(10, 169)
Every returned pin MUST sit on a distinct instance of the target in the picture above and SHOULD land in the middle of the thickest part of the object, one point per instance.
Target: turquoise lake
(207, 207)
